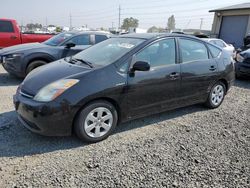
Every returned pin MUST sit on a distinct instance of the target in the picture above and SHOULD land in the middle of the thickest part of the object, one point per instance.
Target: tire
(216, 95)
(91, 125)
(34, 64)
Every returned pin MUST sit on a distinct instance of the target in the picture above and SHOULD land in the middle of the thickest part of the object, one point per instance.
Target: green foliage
(130, 22)
(155, 29)
(58, 29)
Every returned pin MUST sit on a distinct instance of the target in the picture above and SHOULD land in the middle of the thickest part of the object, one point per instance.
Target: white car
(218, 42)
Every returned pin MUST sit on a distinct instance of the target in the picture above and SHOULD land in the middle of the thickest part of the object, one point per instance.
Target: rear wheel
(216, 95)
(96, 121)
(34, 64)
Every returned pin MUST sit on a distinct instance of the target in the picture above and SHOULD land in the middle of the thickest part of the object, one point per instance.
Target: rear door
(157, 89)
(8, 35)
(198, 70)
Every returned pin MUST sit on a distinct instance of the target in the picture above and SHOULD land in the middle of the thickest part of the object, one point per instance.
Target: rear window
(214, 51)
(100, 38)
(6, 27)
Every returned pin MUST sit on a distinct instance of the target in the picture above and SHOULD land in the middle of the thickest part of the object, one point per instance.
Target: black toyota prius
(121, 79)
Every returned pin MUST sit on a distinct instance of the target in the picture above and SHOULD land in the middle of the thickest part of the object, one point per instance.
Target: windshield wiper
(82, 61)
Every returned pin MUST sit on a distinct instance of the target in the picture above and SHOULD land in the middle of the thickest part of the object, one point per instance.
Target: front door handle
(174, 75)
(212, 68)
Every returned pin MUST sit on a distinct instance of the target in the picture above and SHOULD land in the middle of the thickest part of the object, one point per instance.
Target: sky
(101, 13)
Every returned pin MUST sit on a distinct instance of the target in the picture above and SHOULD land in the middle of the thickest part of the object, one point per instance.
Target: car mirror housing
(70, 45)
(141, 66)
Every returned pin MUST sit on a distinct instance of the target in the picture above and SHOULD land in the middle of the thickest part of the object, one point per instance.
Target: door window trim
(195, 40)
(151, 43)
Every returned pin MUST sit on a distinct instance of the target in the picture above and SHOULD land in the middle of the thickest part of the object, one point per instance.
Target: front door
(157, 89)
(81, 41)
(9, 36)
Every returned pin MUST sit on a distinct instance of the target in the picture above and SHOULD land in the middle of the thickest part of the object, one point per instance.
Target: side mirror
(141, 66)
(70, 45)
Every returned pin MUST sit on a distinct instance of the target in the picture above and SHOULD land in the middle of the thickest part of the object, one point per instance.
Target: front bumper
(49, 119)
(13, 66)
(242, 69)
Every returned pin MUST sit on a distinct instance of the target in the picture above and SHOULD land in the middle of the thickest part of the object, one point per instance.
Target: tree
(58, 29)
(130, 22)
(153, 29)
(171, 23)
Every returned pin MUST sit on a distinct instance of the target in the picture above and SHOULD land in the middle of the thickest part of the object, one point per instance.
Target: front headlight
(53, 90)
(239, 58)
(11, 56)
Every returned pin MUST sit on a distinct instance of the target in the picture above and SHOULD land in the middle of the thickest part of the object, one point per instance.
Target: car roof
(209, 39)
(88, 32)
(148, 36)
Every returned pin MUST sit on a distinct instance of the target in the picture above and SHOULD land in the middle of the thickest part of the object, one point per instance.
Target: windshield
(108, 51)
(58, 39)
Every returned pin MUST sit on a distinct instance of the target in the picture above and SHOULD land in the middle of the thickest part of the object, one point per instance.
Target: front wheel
(96, 121)
(216, 95)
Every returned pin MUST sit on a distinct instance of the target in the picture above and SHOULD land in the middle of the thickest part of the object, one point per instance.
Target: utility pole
(46, 23)
(119, 21)
(70, 22)
(201, 23)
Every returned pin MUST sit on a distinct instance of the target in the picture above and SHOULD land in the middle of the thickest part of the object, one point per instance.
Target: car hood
(49, 73)
(21, 47)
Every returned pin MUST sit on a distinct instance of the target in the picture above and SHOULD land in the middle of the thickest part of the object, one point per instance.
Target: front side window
(6, 27)
(58, 39)
(192, 50)
(80, 40)
(161, 53)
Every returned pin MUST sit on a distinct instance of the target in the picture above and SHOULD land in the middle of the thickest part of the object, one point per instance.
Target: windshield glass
(108, 51)
(58, 39)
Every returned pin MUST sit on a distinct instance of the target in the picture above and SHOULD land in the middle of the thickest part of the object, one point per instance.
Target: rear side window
(100, 38)
(6, 27)
(214, 51)
(192, 50)
(80, 40)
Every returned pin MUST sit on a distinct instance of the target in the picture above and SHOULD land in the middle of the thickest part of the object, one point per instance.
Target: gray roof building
(232, 23)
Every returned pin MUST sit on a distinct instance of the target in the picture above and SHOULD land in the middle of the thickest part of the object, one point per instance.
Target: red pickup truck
(10, 34)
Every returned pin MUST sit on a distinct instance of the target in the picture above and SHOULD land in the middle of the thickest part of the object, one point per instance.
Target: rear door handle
(212, 68)
(174, 75)
(13, 37)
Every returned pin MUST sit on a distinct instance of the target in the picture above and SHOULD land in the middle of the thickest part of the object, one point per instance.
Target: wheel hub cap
(217, 95)
(98, 122)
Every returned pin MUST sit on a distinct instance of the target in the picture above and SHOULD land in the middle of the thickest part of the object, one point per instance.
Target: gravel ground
(189, 147)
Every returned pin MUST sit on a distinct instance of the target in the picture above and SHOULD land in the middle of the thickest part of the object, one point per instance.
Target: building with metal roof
(232, 23)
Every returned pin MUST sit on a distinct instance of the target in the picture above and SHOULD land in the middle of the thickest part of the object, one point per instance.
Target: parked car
(11, 35)
(242, 65)
(22, 59)
(120, 79)
(218, 42)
